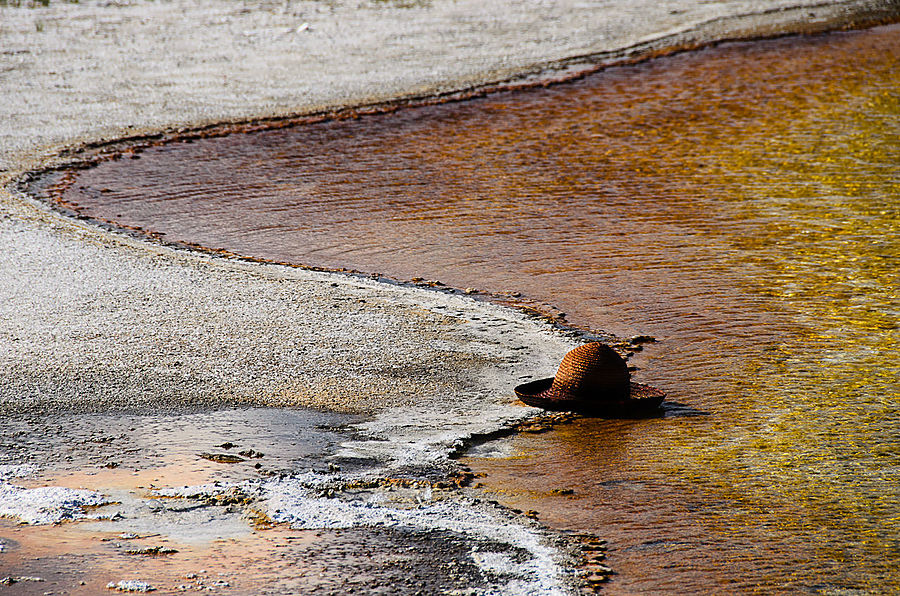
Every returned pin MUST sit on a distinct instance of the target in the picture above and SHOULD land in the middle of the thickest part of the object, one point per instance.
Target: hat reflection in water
(592, 378)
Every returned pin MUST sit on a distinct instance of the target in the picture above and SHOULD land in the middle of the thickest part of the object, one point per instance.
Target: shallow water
(739, 203)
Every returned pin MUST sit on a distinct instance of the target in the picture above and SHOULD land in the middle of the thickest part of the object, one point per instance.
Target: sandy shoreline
(93, 321)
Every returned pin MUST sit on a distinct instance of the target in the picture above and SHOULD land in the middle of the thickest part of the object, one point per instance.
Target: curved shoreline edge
(764, 24)
(139, 348)
(99, 321)
(94, 317)
(47, 183)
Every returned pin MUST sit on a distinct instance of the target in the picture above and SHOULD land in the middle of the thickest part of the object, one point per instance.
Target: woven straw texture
(592, 377)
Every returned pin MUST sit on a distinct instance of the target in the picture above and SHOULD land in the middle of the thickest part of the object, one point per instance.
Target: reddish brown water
(740, 203)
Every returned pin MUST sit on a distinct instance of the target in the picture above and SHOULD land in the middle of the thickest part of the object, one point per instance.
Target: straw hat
(592, 377)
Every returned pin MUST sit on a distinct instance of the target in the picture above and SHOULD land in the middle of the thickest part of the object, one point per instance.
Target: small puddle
(106, 445)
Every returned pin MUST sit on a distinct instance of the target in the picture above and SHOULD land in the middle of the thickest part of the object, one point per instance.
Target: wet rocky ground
(360, 561)
(182, 501)
(364, 561)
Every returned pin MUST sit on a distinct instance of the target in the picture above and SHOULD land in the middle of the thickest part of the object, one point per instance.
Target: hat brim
(641, 399)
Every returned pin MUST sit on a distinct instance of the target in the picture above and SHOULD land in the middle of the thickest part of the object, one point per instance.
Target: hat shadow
(674, 409)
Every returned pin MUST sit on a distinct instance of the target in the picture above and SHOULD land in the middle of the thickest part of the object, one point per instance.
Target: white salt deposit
(425, 435)
(516, 555)
(9, 580)
(8, 471)
(47, 504)
(131, 585)
(493, 531)
(200, 491)
(498, 564)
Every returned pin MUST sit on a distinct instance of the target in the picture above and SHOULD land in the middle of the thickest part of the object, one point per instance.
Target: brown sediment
(174, 470)
(223, 539)
(235, 547)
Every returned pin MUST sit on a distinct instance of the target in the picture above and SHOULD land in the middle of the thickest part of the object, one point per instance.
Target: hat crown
(593, 371)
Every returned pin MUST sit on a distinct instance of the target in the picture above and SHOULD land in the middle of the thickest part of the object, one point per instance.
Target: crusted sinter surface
(93, 320)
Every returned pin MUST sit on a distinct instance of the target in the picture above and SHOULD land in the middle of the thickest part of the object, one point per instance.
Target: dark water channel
(740, 203)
